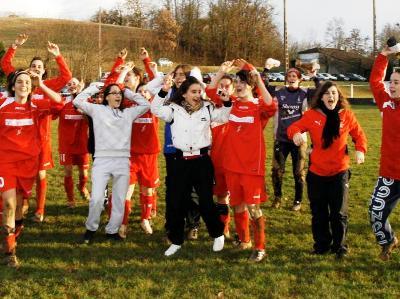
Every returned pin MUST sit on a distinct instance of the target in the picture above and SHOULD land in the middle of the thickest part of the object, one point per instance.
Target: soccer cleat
(257, 256)
(123, 230)
(387, 249)
(296, 206)
(341, 253)
(88, 237)
(172, 250)
(145, 225)
(85, 194)
(71, 204)
(10, 260)
(241, 245)
(193, 234)
(219, 243)
(38, 218)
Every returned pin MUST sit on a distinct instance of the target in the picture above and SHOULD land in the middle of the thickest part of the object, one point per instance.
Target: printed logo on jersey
(143, 120)
(389, 104)
(19, 122)
(318, 122)
(243, 107)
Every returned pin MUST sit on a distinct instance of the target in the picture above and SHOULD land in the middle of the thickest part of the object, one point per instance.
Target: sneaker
(172, 249)
(71, 205)
(122, 232)
(193, 234)
(387, 249)
(341, 253)
(38, 218)
(10, 260)
(145, 224)
(241, 245)
(114, 237)
(88, 237)
(296, 206)
(257, 256)
(85, 194)
(276, 204)
(219, 243)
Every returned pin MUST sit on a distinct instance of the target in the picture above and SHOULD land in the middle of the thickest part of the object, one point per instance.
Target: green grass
(54, 265)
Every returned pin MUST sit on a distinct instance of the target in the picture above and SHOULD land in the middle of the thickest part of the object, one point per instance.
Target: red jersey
(244, 145)
(335, 158)
(73, 130)
(19, 128)
(390, 149)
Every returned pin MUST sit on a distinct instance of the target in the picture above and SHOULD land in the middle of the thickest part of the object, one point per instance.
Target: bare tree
(334, 34)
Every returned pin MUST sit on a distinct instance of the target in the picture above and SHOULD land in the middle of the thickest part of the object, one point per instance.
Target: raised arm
(115, 70)
(81, 102)
(157, 105)
(6, 60)
(64, 75)
(49, 93)
(142, 106)
(144, 56)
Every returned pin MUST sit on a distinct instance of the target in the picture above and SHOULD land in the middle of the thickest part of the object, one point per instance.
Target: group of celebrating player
(213, 145)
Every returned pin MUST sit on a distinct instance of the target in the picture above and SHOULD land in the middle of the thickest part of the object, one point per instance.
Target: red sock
(154, 208)
(9, 243)
(242, 226)
(146, 202)
(41, 190)
(69, 188)
(259, 233)
(127, 211)
(82, 182)
(225, 219)
(1, 212)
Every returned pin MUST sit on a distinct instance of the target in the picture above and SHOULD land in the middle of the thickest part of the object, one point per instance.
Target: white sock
(172, 249)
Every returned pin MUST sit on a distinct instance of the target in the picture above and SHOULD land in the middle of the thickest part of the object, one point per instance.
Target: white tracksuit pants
(103, 169)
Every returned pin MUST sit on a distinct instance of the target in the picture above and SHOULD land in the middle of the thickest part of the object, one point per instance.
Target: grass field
(55, 265)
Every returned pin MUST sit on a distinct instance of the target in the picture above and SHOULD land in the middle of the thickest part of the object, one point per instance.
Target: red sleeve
(6, 61)
(149, 72)
(248, 67)
(113, 76)
(268, 110)
(299, 126)
(62, 79)
(212, 94)
(357, 134)
(376, 80)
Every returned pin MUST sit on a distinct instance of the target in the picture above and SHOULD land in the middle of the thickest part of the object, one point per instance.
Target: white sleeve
(142, 107)
(81, 102)
(158, 109)
(155, 85)
(220, 115)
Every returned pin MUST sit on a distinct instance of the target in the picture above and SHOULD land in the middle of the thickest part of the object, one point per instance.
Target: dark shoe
(387, 249)
(320, 251)
(88, 237)
(276, 203)
(341, 253)
(241, 245)
(296, 206)
(193, 234)
(114, 237)
(257, 256)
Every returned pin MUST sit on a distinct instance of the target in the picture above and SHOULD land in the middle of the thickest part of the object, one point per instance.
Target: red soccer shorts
(144, 170)
(20, 175)
(75, 159)
(244, 188)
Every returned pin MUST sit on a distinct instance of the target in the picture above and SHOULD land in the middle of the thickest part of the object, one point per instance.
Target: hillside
(78, 42)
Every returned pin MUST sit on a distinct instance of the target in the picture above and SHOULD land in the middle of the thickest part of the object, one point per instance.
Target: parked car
(207, 77)
(322, 77)
(355, 77)
(305, 77)
(277, 77)
(341, 77)
(329, 76)
(165, 62)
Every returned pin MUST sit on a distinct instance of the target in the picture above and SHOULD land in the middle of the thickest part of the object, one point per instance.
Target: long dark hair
(177, 97)
(107, 91)
(332, 124)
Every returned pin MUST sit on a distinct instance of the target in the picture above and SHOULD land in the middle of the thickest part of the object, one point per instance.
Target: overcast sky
(307, 19)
